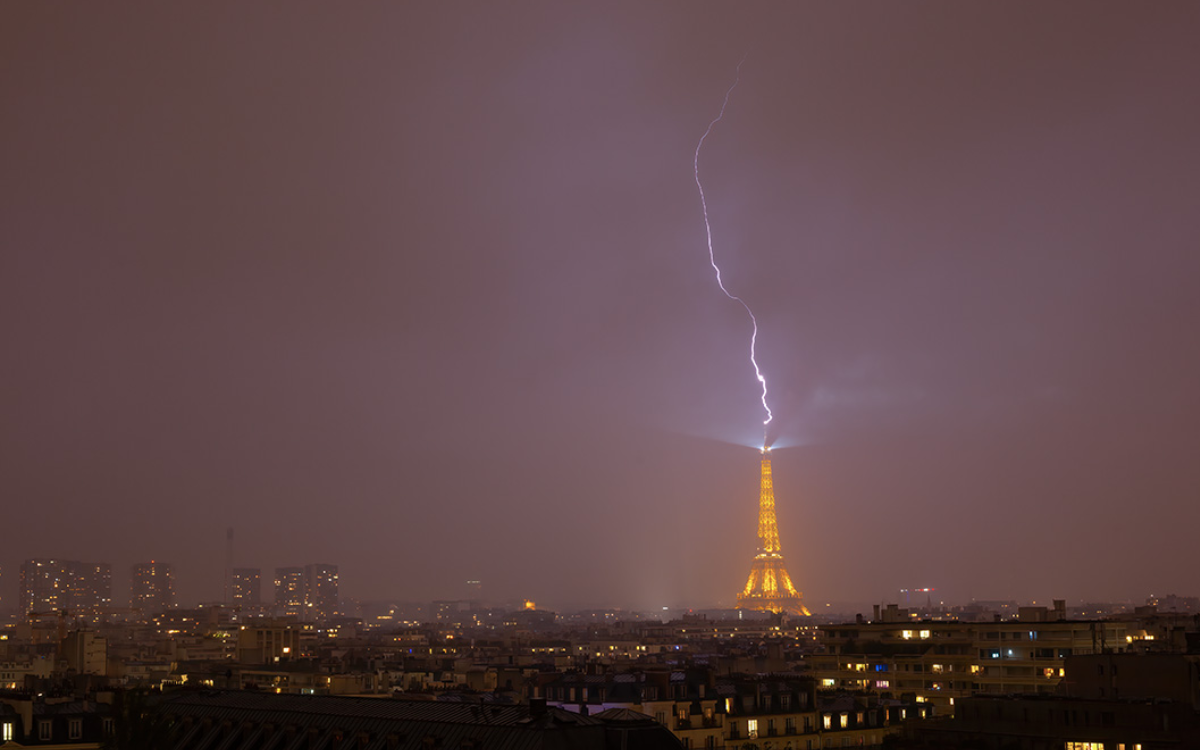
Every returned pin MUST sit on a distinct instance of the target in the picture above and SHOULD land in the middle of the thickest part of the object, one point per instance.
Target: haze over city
(422, 291)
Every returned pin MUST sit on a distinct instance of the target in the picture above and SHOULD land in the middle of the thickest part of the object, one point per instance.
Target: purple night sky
(421, 290)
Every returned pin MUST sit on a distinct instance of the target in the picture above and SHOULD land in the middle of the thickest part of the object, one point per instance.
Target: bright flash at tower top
(712, 258)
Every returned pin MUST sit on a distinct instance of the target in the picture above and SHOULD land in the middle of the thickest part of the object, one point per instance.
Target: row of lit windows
(910, 634)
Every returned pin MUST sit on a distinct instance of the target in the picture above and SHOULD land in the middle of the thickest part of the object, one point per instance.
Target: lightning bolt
(712, 258)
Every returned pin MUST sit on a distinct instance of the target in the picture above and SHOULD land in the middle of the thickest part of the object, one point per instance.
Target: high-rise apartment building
(310, 592)
(46, 584)
(93, 587)
(245, 587)
(322, 581)
(290, 590)
(49, 584)
(152, 587)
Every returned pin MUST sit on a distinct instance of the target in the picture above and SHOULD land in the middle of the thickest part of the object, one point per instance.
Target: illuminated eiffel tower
(770, 587)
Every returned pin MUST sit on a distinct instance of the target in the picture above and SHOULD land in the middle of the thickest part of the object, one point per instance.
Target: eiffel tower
(770, 587)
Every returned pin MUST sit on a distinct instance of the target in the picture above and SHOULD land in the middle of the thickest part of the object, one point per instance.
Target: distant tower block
(770, 587)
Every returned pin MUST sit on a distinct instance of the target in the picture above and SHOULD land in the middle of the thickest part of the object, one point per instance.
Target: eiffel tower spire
(769, 587)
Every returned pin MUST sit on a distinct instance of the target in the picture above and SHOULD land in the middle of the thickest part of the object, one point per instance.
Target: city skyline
(425, 293)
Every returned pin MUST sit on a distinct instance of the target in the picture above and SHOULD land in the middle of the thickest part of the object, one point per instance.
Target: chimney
(537, 707)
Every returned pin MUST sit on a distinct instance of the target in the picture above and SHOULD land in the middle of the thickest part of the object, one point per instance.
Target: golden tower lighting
(770, 587)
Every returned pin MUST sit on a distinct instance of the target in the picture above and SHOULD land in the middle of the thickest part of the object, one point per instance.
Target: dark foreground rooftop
(238, 720)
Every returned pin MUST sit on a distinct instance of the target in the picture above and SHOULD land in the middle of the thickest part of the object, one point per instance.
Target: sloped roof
(292, 708)
(237, 720)
(624, 716)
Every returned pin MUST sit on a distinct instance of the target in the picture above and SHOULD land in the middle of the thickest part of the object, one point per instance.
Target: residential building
(943, 661)
(91, 593)
(31, 720)
(268, 642)
(309, 592)
(321, 597)
(152, 587)
(290, 591)
(51, 584)
(245, 587)
(1111, 701)
(85, 652)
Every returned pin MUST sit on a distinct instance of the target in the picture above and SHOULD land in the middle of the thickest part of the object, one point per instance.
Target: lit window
(827, 721)
(6, 732)
(844, 720)
(924, 634)
(906, 634)
(752, 728)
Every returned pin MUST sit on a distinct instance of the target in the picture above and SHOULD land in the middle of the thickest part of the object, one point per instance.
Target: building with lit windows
(1107, 701)
(45, 585)
(152, 587)
(309, 592)
(321, 597)
(32, 720)
(13, 674)
(943, 661)
(245, 587)
(290, 590)
(707, 710)
(92, 591)
(268, 642)
(51, 585)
